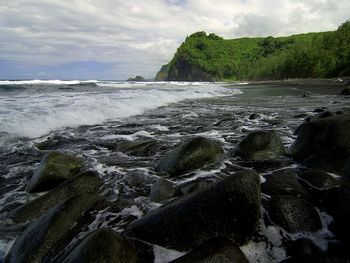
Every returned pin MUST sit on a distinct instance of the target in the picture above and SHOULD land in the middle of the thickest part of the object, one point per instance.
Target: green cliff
(205, 57)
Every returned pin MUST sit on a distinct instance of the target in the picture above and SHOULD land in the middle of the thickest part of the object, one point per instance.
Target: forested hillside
(205, 57)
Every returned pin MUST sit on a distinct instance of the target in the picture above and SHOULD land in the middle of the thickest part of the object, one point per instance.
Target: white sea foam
(36, 114)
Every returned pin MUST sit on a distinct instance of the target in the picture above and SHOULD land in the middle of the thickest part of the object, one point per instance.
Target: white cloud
(138, 36)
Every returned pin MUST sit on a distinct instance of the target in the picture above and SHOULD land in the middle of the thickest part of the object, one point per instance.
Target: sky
(117, 39)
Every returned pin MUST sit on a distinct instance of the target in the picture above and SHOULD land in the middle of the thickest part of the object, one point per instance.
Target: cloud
(137, 37)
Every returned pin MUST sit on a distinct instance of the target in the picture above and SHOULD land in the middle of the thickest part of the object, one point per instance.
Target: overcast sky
(115, 39)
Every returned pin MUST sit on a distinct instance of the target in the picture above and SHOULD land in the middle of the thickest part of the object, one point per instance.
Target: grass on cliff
(325, 54)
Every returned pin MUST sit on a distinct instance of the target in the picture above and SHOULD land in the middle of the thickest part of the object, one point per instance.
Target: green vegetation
(315, 55)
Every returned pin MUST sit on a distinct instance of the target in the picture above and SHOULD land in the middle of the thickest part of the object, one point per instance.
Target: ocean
(92, 119)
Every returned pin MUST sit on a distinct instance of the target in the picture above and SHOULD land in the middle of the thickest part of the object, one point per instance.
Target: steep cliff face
(182, 70)
(162, 73)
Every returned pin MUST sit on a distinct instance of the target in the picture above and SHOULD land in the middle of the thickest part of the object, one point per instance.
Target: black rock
(214, 251)
(162, 190)
(318, 110)
(319, 179)
(190, 155)
(283, 182)
(47, 230)
(314, 259)
(143, 149)
(323, 143)
(229, 208)
(54, 168)
(325, 114)
(194, 186)
(302, 246)
(87, 182)
(294, 214)
(261, 146)
(345, 92)
(254, 116)
(103, 245)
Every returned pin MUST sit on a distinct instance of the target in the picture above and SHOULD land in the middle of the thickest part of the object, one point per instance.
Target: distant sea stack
(203, 57)
(137, 79)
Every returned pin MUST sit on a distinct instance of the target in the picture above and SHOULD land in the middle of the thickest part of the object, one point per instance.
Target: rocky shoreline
(209, 219)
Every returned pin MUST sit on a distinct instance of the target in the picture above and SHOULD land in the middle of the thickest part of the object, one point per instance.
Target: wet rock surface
(294, 214)
(42, 235)
(323, 143)
(192, 154)
(184, 223)
(55, 168)
(103, 245)
(261, 146)
(214, 250)
(87, 182)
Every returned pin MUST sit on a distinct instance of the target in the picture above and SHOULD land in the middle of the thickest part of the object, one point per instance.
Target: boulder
(54, 168)
(261, 146)
(190, 155)
(254, 116)
(302, 246)
(103, 245)
(143, 149)
(294, 214)
(323, 143)
(314, 258)
(213, 251)
(345, 92)
(194, 186)
(319, 179)
(47, 230)
(325, 114)
(229, 208)
(87, 182)
(283, 182)
(162, 190)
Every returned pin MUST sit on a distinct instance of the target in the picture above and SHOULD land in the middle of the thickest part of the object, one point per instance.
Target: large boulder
(47, 230)
(345, 92)
(103, 245)
(283, 182)
(190, 155)
(162, 190)
(294, 214)
(214, 251)
(143, 148)
(323, 143)
(261, 146)
(54, 168)
(87, 182)
(229, 208)
(319, 179)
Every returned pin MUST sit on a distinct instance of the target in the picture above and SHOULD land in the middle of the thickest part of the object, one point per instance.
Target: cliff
(203, 57)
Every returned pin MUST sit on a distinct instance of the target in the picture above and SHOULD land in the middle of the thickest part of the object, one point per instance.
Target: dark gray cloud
(114, 39)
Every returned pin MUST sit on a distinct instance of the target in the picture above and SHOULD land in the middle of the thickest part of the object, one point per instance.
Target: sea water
(90, 119)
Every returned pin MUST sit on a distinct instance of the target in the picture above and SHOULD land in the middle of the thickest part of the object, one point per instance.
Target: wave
(35, 115)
